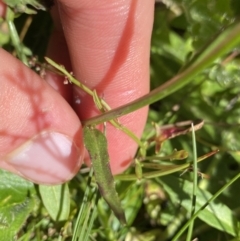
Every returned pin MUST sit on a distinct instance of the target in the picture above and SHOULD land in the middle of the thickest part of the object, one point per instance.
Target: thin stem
(194, 192)
(104, 106)
(16, 42)
(163, 172)
(223, 43)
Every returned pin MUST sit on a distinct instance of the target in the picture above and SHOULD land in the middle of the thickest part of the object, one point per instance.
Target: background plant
(155, 208)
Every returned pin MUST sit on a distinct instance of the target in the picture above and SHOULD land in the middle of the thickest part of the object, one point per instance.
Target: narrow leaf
(96, 144)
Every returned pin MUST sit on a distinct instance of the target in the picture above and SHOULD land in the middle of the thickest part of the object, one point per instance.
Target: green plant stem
(166, 171)
(82, 212)
(100, 103)
(194, 193)
(14, 36)
(228, 39)
(221, 190)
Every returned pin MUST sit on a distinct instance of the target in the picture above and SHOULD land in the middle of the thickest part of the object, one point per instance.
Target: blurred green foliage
(156, 208)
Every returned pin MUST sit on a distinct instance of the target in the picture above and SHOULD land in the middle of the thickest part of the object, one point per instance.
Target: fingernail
(48, 158)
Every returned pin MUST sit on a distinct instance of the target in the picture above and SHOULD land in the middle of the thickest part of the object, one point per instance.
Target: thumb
(40, 135)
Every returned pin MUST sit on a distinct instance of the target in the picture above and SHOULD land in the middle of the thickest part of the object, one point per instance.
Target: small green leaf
(96, 144)
(56, 200)
(179, 155)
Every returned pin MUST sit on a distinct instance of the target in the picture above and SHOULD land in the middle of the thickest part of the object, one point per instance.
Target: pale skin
(108, 45)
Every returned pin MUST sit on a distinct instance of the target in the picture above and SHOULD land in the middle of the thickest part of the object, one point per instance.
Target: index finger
(109, 46)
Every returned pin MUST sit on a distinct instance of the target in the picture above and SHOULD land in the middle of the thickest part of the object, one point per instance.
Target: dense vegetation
(187, 35)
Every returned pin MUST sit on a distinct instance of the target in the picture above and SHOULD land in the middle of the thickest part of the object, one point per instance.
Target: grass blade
(195, 176)
(87, 213)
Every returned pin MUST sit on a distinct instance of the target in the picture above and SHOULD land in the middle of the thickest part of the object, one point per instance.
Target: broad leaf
(16, 203)
(56, 200)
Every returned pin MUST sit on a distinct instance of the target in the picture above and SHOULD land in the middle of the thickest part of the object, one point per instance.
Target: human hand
(106, 44)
